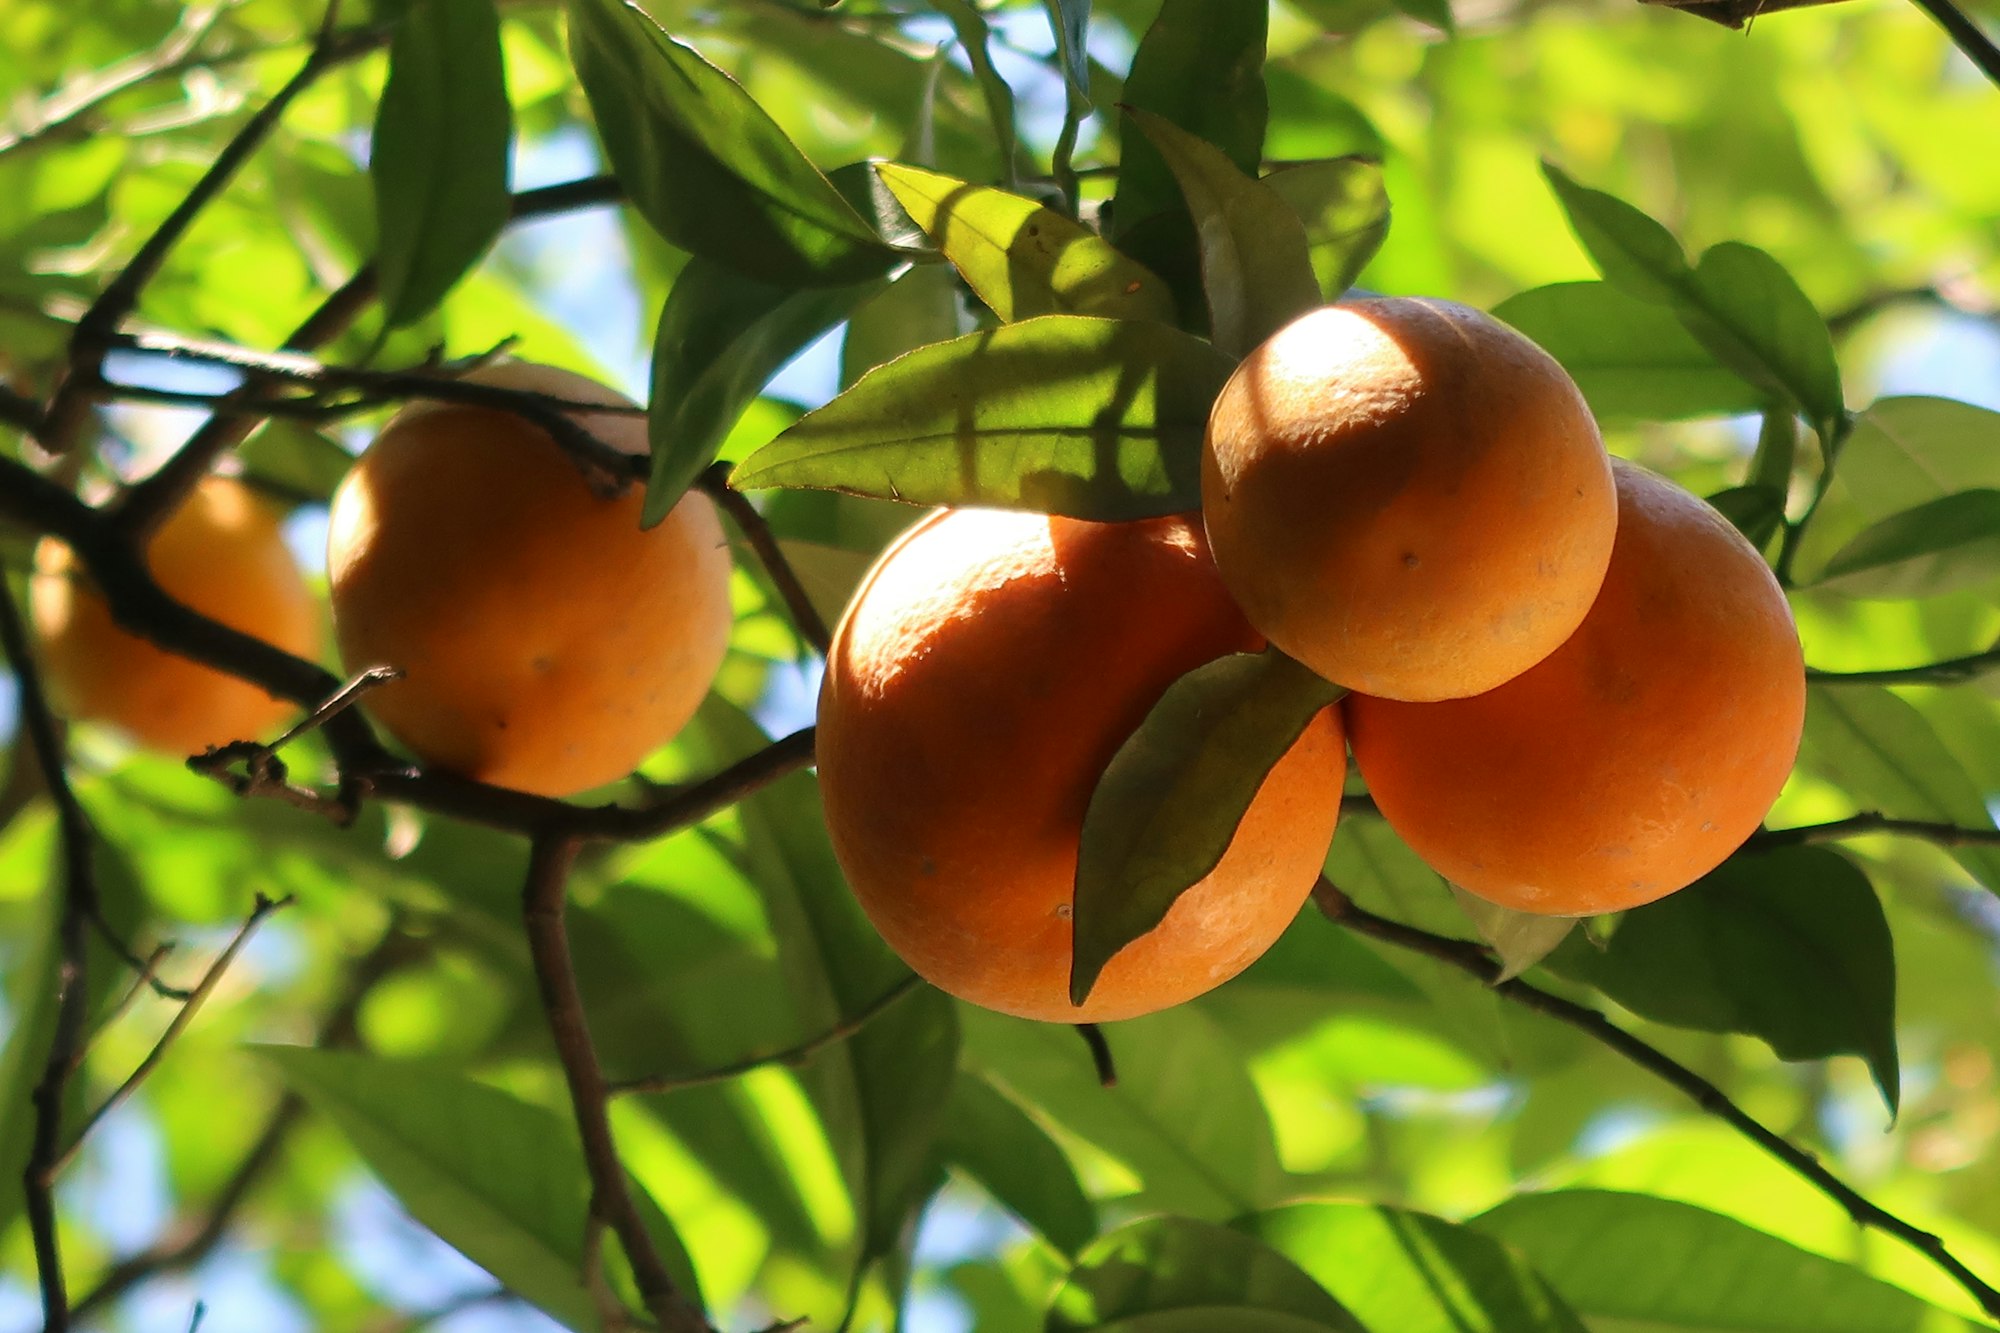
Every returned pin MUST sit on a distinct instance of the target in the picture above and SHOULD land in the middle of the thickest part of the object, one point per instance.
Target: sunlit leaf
(1162, 1265)
(1094, 418)
(1935, 548)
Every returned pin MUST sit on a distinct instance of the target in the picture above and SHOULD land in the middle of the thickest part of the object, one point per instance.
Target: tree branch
(805, 616)
(1966, 36)
(1473, 960)
(543, 901)
(1952, 671)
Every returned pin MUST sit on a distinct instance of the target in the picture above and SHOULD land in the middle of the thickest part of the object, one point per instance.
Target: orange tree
(637, 1053)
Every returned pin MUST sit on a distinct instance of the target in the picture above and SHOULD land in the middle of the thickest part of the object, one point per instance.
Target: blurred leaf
(1021, 258)
(1069, 20)
(1255, 267)
(707, 166)
(1407, 1271)
(1200, 66)
(1169, 802)
(439, 155)
(1163, 1265)
(994, 1141)
(1345, 210)
(721, 337)
(1519, 939)
(1063, 414)
(1935, 548)
(1789, 945)
(501, 1180)
(297, 461)
(1632, 358)
(1883, 752)
(1437, 13)
(1681, 1269)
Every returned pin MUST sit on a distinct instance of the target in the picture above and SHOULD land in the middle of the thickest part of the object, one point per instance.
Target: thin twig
(1966, 36)
(543, 901)
(792, 1056)
(1100, 1054)
(203, 989)
(1952, 671)
(1870, 821)
(265, 774)
(1472, 959)
(805, 616)
(66, 110)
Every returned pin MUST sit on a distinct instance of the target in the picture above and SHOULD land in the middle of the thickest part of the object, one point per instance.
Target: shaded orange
(1633, 760)
(550, 642)
(983, 677)
(1407, 496)
(222, 553)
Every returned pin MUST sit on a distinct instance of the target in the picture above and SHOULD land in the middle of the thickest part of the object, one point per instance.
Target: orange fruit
(1637, 756)
(984, 675)
(549, 642)
(1407, 496)
(223, 553)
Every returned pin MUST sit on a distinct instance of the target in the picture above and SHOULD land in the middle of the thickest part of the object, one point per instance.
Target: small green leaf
(1063, 414)
(1256, 269)
(1408, 1271)
(1631, 250)
(1755, 511)
(293, 459)
(705, 164)
(1022, 259)
(1170, 800)
(439, 155)
(1935, 548)
(721, 337)
(1160, 1265)
(990, 1138)
(1633, 359)
(1790, 946)
(1674, 1267)
(501, 1180)
(1345, 209)
(1070, 21)
(1520, 939)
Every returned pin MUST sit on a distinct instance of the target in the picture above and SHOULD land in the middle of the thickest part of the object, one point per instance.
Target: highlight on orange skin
(1637, 756)
(983, 677)
(550, 643)
(222, 553)
(1407, 496)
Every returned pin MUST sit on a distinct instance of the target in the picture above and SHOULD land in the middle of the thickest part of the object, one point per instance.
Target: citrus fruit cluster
(1575, 687)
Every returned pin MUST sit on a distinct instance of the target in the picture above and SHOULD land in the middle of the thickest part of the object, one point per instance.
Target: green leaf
(1519, 939)
(1631, 250)
(1883, 752)
(1674, 1267)
(705, 164)
(1633, 359)
(1070, 21)
(990, 1138)
(1022, 259)
(1200, 65)
(1408, 1271)
(919, 308)
(295, 460)
(1161, 1265)
(1171, 798)
(1755, 511)
(1935, 548)
(1345, 209)
(1256, 269)
(1790, 946)
(501, 1180)
(1063, 414)
(1437, 13)
(439, 155)
(721, 337)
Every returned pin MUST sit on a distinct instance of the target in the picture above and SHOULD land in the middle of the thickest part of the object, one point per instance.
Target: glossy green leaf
(439, 156)
(1632, 359)
(1168, 804)
(707, 165)
(1161, 1265)
(1256, 269)
(1094, 418)
(501, 1180)
(989, 1137)
(1935, 548)
(1345, 209)
(1884, 753)
(1408, 1271)
(1021, 258)
(721, 337)
(1674, 1267)
(1790, 946)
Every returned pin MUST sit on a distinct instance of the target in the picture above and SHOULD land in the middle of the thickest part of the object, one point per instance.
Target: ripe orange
(1407, 496)
(983, 677)
(550, 643)
(222, 553)
(1634, 759)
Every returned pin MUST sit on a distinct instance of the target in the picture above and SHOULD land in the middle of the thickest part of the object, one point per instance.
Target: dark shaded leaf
(1935, 548)
(1163, 1265)
(1070, 21)
(1755, 511)
(1063, 414)
(1345, 210)
(919, 308)
(296, 461)
(990, 1138)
